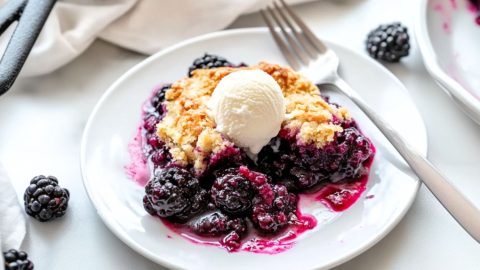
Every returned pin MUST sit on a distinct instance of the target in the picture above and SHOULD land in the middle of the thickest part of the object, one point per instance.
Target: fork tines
(299, 44)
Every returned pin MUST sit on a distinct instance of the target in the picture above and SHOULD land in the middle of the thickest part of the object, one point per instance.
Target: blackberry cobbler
(223, 180)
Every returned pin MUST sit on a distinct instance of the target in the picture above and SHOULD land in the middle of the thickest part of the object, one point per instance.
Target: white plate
(449, 39)
(337, 238)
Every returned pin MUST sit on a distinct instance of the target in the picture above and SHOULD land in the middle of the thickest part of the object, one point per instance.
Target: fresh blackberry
(159, 97)
(174, 192)
(232, 192)
(17, 260)
(208, 61)
(388, 42)
(45, 199)
(273, 207)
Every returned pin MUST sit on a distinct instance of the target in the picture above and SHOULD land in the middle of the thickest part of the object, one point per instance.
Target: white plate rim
(225, 33)
(464, 99)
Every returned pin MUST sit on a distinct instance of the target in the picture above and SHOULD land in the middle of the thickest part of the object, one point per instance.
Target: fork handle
(463, 210)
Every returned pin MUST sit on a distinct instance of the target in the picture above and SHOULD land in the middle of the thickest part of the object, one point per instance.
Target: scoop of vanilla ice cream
(248, 106)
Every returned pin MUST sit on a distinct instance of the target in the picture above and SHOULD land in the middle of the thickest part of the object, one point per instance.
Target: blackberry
(150, 122)
(208, 61)
(17, 260)
(300, 166)
(388, 42)
(232, 192)
(273, 207)
(228, 157)
(45, 199)
(160, 157)
(217, 223)
(159, 97)
(357, 150)
(198, 203)
(174, 192)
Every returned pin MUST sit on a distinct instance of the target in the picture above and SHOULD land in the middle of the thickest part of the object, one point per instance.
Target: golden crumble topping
(190, 132)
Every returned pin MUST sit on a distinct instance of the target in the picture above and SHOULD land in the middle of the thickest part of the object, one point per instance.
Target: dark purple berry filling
(300, 166)
(234, 194)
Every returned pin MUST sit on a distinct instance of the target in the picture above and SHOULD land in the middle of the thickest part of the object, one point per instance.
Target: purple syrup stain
(368, 197)
(446, 27)
(137, 170)
(339, 197)
(445, 15)
(438, 7)
(169, 236)
(253, 242)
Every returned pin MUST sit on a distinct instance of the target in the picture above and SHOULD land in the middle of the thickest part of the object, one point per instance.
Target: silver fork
(309, 55)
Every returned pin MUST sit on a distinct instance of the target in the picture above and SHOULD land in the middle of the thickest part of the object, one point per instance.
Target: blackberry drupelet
(45, 199)
(208, 61)
(232, 192)
(388, 42)
(174, 193)
(17, 260)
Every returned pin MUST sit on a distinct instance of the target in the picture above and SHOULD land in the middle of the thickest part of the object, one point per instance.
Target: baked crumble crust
(190, 132)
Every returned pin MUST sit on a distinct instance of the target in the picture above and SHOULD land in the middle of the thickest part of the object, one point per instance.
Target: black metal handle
(31, 16)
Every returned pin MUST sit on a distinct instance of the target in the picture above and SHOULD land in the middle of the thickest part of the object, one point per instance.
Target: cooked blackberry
(17, 260)
(217, 223)
(357, 151)
(217, 163)
(300, 167)
(150, 123)
(273, 209)
(161, 156)
(159, 97)
(198, 203)
(232, 192)
(208, 61)
(388, 42)
(44, 199)
(273, 206)
(173, 192)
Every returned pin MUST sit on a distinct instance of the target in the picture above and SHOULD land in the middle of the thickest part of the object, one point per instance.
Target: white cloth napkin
(145, 26)
(12, 219)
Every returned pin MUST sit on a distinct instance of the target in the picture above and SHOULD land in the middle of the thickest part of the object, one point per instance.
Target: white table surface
(42, 119)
